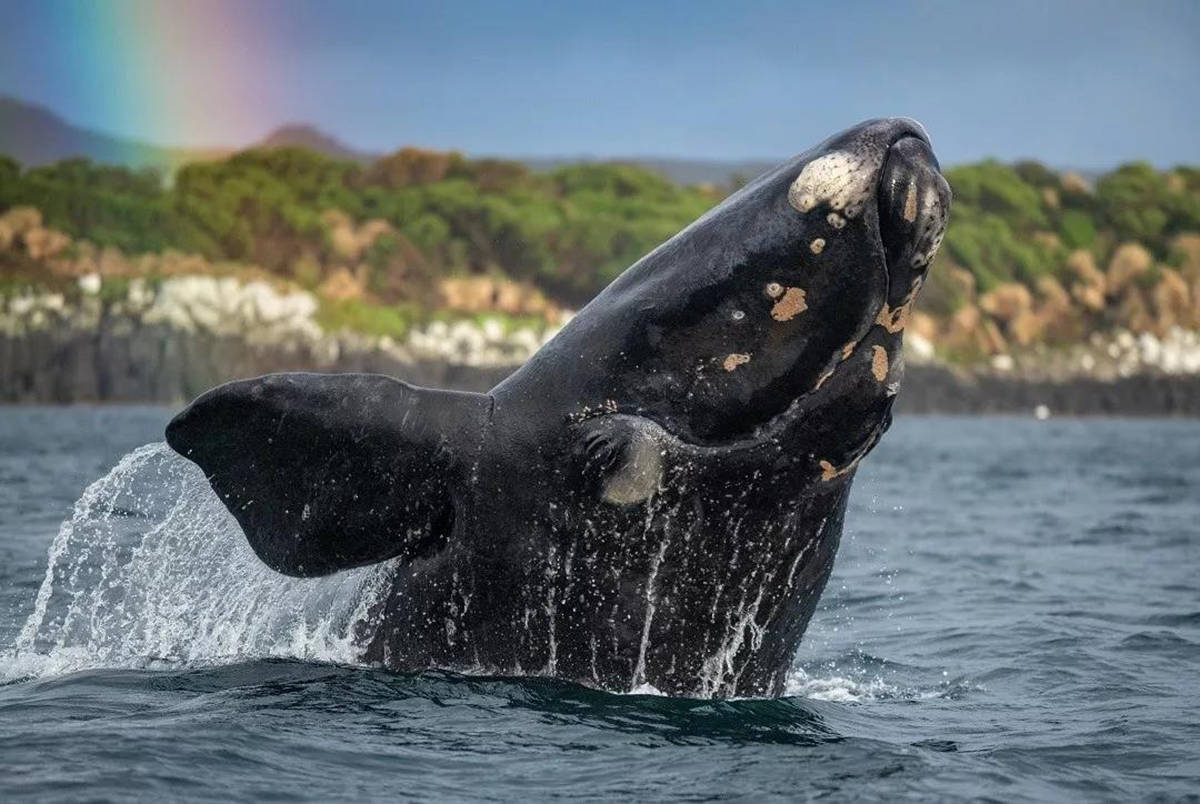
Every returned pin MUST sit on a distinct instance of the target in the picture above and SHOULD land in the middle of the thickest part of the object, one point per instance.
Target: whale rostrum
(656, 496)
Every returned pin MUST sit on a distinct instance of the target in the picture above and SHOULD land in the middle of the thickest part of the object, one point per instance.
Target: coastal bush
(1141, 203)
(1077, 229)
(356, 315)
(429, 215)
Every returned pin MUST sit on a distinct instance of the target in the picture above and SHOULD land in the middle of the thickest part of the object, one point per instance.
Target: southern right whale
(656, 496)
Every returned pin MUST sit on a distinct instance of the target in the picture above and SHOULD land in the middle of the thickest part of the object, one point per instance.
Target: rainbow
(184, 74)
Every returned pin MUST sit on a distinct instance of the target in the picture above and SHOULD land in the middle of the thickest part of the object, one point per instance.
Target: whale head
(792, 293)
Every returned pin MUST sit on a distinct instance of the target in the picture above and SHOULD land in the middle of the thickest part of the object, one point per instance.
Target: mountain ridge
(35, 135)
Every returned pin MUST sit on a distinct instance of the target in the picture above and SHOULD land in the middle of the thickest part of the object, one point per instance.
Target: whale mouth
(914, 206)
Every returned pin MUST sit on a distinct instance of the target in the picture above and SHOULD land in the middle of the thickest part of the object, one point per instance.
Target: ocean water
(1014, 616)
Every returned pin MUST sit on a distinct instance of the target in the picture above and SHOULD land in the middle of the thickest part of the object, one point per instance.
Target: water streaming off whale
(151, 567)
(151, 571)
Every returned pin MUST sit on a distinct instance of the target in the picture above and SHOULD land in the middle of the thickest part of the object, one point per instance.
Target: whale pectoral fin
(621, 457)
(330, 471)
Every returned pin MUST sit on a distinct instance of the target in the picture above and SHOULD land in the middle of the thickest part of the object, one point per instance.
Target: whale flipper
(327, 472)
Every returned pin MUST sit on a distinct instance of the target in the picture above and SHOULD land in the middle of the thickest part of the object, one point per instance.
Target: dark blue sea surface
(1014, 615)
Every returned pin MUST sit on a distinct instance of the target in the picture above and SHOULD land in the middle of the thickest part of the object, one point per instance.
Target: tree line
(568, 232)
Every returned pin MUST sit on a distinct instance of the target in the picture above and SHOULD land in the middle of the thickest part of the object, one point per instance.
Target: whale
(654, 500)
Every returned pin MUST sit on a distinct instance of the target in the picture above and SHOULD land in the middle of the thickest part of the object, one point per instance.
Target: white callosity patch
(840, 180)
(152, 571)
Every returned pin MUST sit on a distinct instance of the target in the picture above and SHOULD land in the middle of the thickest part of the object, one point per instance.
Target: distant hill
(299, 135)
(34, 135)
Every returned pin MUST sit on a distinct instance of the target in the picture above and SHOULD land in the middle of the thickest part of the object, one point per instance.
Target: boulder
(1082, 264)
(42, 243)
(1049, 240)
(1007, 301)
(1091, 284)
(1128, 262)
(19, 220)
(964, 280)
(1060, 318)
(342, 237)
(342, 285)
(1187, 247)
(993, 338)
(1075, 184)
(1172, 302)
(479, 294)
(1026, 327)
(1133, 311)
(965, 332)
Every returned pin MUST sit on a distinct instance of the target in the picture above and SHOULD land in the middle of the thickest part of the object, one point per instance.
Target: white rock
(90, 284)
(493, 330)
(22, 305)
(1151, 351)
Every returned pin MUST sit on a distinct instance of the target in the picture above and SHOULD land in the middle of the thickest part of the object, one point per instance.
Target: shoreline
(170, 343)
(163, 366)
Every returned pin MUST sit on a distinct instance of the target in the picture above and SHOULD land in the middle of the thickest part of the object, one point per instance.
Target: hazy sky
(1083, 84)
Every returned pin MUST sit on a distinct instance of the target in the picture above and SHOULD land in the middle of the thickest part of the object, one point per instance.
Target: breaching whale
(656, 496)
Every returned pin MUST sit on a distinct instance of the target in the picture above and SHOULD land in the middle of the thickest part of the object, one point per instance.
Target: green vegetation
(356, 315)
(1017, 223)
(568, 232)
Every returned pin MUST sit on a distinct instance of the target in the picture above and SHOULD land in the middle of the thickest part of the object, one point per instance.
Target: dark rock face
(117, 362)
(934, 389)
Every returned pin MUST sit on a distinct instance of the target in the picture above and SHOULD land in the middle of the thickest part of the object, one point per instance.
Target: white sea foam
(839, 688)
(850, 687)
(152, 571)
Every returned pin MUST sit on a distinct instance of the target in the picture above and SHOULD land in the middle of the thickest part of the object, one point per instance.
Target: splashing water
(152, 571)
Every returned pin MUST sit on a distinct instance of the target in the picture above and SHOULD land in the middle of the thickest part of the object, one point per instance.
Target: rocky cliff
(173, 339)
(169, 340)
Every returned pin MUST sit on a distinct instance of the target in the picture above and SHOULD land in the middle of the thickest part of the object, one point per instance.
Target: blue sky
(1081, 84)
